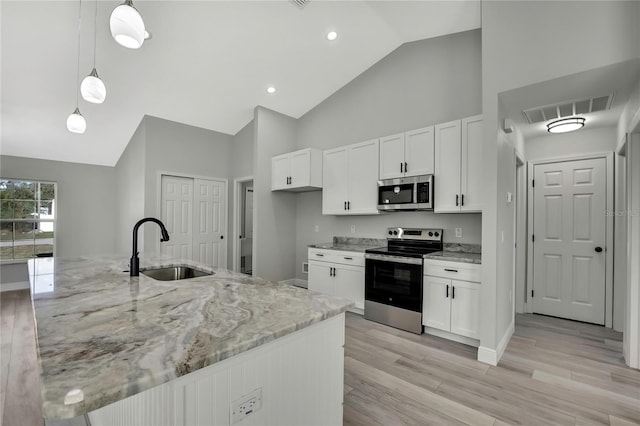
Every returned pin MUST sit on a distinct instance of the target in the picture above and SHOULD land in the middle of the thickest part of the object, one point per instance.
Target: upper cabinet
(458, 162)
(350, 175)
(407, 154)
(297, 171)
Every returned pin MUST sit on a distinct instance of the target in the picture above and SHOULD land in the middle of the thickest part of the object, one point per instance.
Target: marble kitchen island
(134, 350)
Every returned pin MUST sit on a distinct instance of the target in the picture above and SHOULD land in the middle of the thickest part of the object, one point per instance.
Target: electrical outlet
(458, 232)
(353, 229)
(246, 405)
(317, 228)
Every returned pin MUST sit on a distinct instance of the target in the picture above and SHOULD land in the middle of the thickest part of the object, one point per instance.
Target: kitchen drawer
(453, 270)
(337, 256)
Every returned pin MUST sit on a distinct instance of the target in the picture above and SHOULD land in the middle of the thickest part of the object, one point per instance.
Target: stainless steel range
(393, 277)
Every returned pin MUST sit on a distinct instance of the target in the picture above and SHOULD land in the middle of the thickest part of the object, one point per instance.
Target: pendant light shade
(127, 26)
(93, 89)
(76, 122)
(565, 125)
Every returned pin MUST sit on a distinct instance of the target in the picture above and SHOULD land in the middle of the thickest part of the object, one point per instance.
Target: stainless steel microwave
(409, 193)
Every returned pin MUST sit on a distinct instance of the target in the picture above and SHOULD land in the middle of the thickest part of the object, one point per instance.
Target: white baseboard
(492, 356)
(451, 336)
(20, 285)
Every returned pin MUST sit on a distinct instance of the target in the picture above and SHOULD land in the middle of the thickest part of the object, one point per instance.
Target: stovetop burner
(410, 242)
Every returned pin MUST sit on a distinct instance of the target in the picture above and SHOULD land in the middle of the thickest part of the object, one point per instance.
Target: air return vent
(568, 109)
(300, 3)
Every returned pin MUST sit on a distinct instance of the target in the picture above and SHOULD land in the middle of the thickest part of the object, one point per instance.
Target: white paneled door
(177, 215)
(195, 213)
(569, 240)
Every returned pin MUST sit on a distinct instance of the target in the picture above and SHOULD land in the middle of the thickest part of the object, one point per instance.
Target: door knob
(222, 237)
(598, 249)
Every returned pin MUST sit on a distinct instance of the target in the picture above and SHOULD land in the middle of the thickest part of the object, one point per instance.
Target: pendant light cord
(78, 68)
(95, 33)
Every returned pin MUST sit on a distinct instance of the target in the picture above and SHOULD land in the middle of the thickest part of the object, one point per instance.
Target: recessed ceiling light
(565, 125)
(271, 89)
(332, 35)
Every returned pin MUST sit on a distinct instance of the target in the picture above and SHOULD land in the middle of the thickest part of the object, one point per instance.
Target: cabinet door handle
(334, 272)
(453, 292)
(462, 199)
(345, 205)
(457, 198)
(447, 295)
(348, 205)
(406, 168)
(450, 270)
(401, 171)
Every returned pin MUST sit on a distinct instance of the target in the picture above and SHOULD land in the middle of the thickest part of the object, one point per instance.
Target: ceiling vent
(568, 109)
(300, 3)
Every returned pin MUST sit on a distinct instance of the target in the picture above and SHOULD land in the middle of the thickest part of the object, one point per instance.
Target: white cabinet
(451, 297)
(407, 154)
(338, 273)
(297, 171)
(458, 166)
(350, 175)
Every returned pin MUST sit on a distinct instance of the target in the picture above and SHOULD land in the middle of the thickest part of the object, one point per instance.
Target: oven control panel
(425, 234)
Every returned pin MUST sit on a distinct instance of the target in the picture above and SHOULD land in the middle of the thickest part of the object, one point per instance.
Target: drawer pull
(348, 258)
(450, 270)
(320, 254)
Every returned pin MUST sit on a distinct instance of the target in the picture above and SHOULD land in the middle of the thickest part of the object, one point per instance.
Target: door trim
(237, 190)
(609, 196)
(158, 213)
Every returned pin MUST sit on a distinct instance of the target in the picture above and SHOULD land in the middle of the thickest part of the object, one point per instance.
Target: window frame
(37, 200)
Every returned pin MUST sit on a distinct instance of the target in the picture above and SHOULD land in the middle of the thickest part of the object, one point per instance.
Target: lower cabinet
(450, 304)
(338, 273)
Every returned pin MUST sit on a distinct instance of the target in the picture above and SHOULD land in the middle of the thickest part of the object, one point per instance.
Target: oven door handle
(395, 259)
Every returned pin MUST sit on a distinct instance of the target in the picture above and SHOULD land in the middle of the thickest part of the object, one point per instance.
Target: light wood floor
(554, 372)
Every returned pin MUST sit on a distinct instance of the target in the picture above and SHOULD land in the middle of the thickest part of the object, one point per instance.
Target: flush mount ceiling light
(271, 90)
(92, 88)
(565, 125)
(76, 122)
(332, 35)
(127, 26)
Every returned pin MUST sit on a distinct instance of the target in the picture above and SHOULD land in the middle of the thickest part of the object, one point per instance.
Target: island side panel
(301, 377)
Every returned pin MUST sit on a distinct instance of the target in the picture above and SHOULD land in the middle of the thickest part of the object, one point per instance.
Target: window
(27, 218)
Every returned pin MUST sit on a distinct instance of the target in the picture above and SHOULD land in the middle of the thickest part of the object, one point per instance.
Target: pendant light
(76, 122)
(127, 26)
(92, 88)
(566, 125)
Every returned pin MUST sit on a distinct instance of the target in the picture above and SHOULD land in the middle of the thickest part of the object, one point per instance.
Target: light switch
(509, 197)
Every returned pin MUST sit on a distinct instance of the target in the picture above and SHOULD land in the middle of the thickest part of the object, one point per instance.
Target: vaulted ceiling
(208, 64)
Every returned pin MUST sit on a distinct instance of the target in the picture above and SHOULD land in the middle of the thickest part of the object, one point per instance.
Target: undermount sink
(173, 273)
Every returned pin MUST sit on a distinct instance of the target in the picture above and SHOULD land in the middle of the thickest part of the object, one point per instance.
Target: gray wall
(513, 59)
(242, 161)
(130, 189)
(274, 212)
(419, 84)
(85, 203)
(181, 149)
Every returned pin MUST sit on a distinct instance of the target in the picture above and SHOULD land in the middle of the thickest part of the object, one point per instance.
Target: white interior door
(177, 215)
(210, 223)
(570, 234)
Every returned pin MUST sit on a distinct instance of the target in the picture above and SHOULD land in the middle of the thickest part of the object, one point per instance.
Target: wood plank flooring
(554, 372)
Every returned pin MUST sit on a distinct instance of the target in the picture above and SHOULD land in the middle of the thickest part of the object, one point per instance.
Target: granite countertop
(456, 252)
(103, 336)
(351, 244)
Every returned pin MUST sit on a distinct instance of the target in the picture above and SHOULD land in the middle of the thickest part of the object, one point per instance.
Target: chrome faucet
(134, 262)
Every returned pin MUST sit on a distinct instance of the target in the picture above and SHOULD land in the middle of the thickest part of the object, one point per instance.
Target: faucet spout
(134, 262)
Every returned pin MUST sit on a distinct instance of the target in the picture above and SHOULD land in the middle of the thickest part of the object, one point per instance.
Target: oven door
(394, 280)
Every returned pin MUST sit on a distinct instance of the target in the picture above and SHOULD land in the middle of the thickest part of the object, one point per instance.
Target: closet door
(210, 223)
(177, 215)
